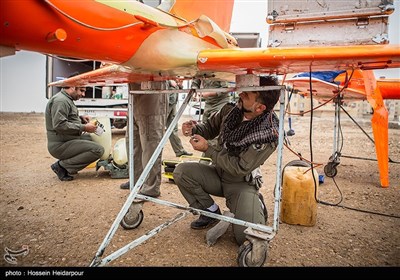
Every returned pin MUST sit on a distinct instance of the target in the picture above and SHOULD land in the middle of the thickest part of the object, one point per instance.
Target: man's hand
(90, 127)
(208, 94)
(187, 127)
(85, 119)
(199, 143)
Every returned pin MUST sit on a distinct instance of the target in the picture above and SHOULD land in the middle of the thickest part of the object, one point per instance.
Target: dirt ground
(64, 223)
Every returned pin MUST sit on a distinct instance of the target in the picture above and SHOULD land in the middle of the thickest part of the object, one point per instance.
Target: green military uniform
(230, 174)
(174, 139)
(212, 104)
(149, 114)
(66, 139)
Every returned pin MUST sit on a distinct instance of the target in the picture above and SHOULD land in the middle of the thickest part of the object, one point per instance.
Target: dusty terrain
(64, 223)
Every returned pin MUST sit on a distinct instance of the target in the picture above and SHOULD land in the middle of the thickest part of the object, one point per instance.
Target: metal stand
(330, 169)
(131, 214)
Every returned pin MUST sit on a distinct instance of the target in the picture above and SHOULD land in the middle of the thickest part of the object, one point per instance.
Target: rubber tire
(243, 256)
(127, 224)
(330, 170)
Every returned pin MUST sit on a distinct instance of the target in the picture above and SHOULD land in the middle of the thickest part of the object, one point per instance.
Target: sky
(253, 20)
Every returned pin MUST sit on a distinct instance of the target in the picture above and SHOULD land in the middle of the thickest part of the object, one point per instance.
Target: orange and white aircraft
(178, 39)
(355, 85)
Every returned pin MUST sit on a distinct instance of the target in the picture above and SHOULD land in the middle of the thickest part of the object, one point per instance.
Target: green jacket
(232, 168)
(62, 119)
(214, 101)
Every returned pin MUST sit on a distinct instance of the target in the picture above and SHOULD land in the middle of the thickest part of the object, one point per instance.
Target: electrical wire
(87, 25)
(369, 137)
(337, 204)
(119, 27)
(310, 137)
(317, 107)
(332, 204)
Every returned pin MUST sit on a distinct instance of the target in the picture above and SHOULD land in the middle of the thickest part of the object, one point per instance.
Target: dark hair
(70, 76)
(269, 97)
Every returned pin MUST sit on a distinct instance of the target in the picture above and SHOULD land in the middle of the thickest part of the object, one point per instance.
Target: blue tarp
(327, 76)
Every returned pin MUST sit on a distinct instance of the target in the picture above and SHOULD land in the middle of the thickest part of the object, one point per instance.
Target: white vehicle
(109, 101)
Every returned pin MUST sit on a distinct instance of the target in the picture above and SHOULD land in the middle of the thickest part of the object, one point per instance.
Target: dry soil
(64, 223)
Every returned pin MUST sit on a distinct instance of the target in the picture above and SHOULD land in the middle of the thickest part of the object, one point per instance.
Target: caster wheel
(244, 256)
(330, 170)
(130, 222)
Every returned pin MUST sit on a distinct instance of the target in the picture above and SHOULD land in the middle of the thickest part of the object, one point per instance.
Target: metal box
(323, 22)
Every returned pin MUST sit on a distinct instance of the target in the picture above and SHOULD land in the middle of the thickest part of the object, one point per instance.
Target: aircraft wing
(226, 63)
(300, 59)
(322, 89)
(150, 44)
(108, 75)
(351, 84)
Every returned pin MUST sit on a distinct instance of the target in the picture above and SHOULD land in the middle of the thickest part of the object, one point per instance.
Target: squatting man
(68, 134)
(247, 135)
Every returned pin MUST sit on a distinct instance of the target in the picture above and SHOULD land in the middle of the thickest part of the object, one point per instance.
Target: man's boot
(205, 221)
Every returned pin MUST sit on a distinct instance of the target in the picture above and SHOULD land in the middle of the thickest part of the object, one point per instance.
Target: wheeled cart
(253, 252)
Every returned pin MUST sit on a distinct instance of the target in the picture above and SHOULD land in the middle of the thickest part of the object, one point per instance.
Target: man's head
(269, 97)
(254, 103)
(76, 92)
(177, 84)
(172, 83)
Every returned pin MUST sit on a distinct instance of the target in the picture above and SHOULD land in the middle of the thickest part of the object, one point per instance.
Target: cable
(369, 137)
(338, 204)
(311, 150)
(359, 126)
(372, 159)
(123, 26)
(317, 107)
(332, 204)
(302, 158)
(369, 212)
(87, 25)
(341, 140)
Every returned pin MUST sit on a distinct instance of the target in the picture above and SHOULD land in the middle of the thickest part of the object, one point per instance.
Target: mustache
(241, 107)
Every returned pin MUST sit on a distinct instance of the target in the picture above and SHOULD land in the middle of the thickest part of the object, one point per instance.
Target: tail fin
(220, 11)
(389, 88)
(380, 125)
